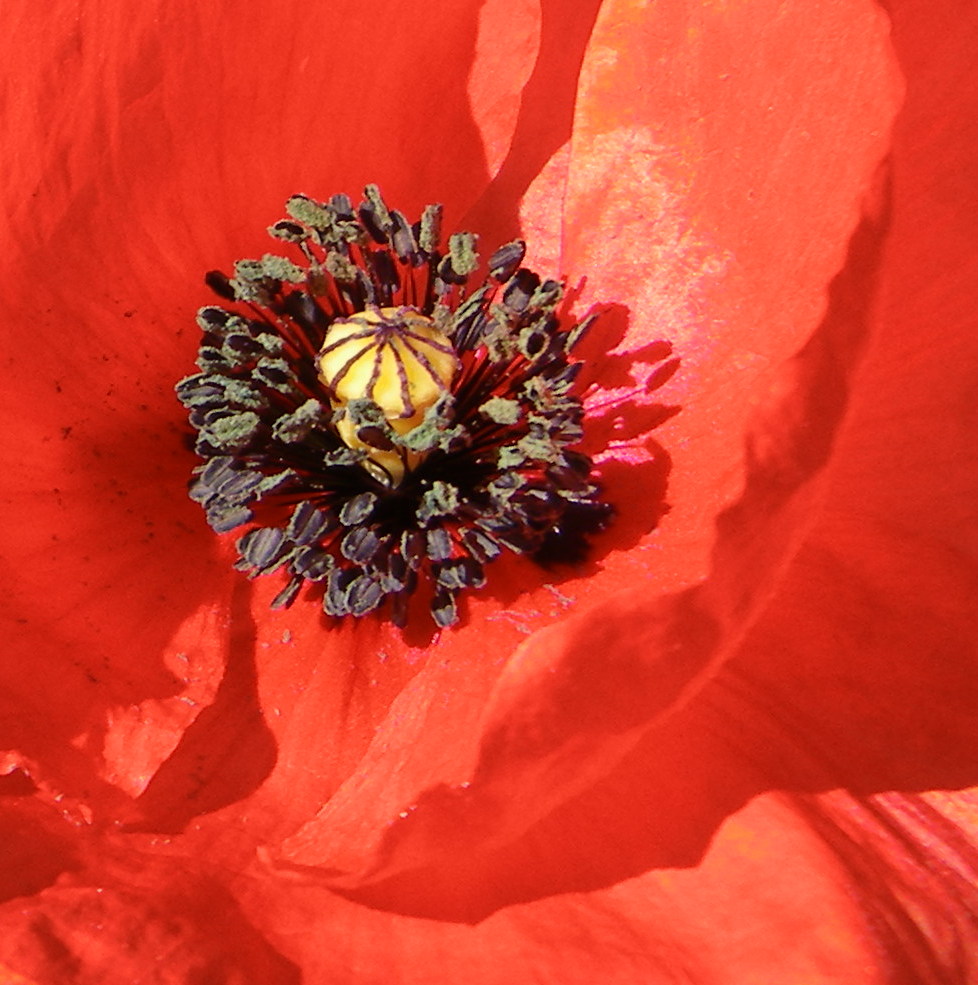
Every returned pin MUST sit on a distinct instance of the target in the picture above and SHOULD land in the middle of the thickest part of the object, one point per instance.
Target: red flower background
(738, 744)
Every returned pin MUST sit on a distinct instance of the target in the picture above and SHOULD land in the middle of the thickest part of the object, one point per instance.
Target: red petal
(144, 147)
(149, 915)
(577, 695)
(102, 936)
(753, 896)
(861, 671)
(727, 921)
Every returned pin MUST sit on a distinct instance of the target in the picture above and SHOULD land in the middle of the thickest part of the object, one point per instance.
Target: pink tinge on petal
(707, 195)
(542, 213)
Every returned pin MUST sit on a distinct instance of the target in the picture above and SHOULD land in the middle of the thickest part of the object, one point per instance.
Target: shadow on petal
(545, 118)
(37, 842)
(225, 753)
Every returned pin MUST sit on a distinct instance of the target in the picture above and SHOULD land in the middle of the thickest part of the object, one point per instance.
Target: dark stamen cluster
(494, 462)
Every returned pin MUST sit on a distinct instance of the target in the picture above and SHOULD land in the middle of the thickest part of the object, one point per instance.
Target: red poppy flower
(733, 745)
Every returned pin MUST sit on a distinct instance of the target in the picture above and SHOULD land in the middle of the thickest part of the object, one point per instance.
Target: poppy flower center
(399, 360)
(378, 426)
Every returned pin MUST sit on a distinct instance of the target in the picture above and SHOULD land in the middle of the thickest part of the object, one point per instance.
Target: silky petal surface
(559, 716)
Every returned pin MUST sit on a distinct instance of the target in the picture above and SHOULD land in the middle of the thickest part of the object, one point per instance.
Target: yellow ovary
(397, 358)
